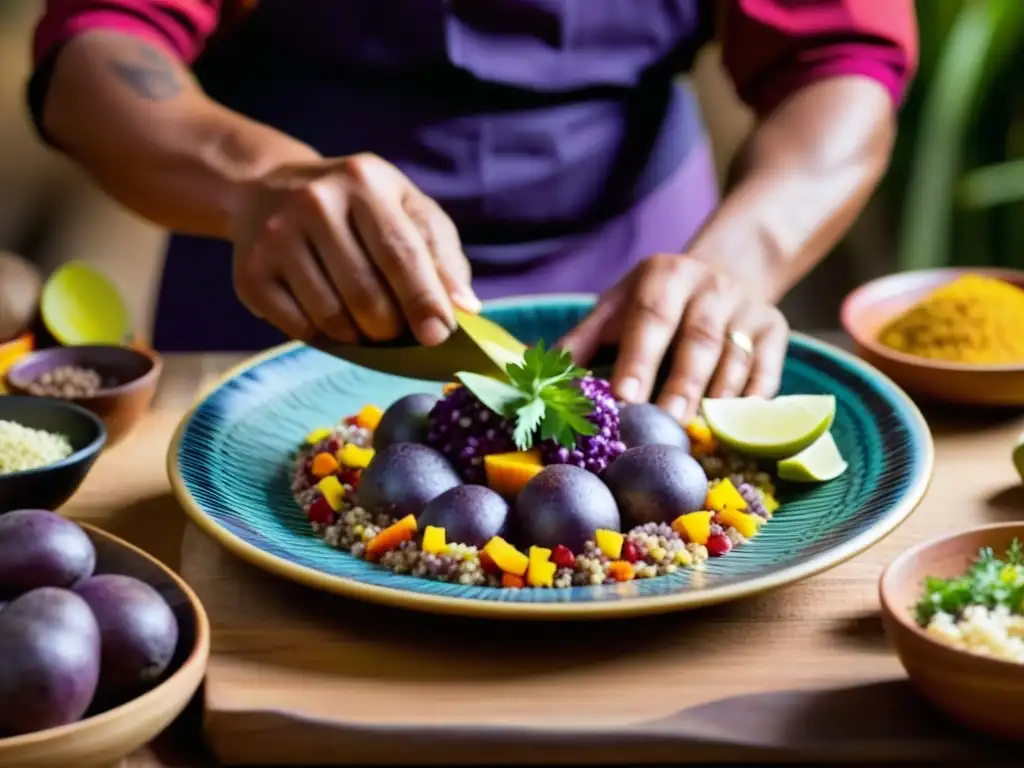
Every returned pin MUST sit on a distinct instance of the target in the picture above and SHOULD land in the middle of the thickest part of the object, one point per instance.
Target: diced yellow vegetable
(541, 573)
(743, 522)
(609, 542)
(434, 540)
(695, 526)
(723, 495)
(702, 441)
(355, 457)
(506, 557)
(620, 570)
(392, 536)
(324, 464)
(319, 435)
(539, 555)
(507, 473)
(369, 417)
(771, 504)
(333, 491)
(450, 387)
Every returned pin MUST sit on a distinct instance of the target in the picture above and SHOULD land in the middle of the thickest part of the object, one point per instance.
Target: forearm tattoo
(148, 73)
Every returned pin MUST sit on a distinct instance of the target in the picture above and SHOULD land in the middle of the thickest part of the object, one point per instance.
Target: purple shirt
(553, 132)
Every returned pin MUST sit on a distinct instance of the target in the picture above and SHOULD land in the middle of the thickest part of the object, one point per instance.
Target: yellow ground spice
(973, 319)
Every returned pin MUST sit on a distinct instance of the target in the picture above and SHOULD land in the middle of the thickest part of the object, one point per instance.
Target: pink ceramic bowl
(867, 310)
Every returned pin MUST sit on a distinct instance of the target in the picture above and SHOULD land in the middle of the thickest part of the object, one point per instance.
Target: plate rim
(624, 607)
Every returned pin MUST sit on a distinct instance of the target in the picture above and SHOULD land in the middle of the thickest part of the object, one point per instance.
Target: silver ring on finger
(742, 342)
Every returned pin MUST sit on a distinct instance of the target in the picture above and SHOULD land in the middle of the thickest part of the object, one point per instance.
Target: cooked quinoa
(995, 632)
(23, 448)
(656, 549)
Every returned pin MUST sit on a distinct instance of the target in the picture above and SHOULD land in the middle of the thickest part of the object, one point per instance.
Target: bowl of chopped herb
(47, 448)
(949, 335)
(953, 608)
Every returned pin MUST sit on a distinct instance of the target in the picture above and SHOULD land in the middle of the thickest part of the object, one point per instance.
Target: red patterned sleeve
(182, 25)
(771, 48)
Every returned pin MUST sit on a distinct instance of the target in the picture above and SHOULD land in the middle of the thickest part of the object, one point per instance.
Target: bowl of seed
(117, 383)
(948, 335)
(47, 447)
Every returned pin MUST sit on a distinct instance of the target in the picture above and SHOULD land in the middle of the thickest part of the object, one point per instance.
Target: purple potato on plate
(469, 514)
(657, 483)
(565, 505)
(647, 424)
(405, 421)
(403, 478)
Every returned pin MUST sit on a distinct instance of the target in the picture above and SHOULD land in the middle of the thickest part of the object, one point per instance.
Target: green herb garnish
(989, 582)
(541, 397)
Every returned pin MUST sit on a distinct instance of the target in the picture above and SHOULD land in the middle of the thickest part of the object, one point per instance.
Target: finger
(442, 239)
(734, 366)
(260, 290)
(769, 359)
(400, 253)
(366, 297)
(698, 350)
(597, 328)
(657, 305)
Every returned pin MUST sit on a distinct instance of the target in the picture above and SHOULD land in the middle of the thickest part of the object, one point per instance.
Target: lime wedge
(80, 305)
(769, 429)
(817, 463)
(1018, 456)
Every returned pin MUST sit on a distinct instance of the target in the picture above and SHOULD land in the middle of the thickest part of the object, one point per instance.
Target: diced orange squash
(539, 555)
(743, 522)
(450, 387)
(771, 504)
(694, 526)
(541, 573)
(355, 457)
(723, 495)
(609, 542)
(324, 464)
(702, 441)
(434, 540)
(332, 490)
(511, 581)
(507, 557)
(391, 537)
(319, 435)
(621, 570)
(507, 473)
(369, 417)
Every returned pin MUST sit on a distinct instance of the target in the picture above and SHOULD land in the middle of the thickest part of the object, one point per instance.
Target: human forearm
(132, 115)
(801, 181)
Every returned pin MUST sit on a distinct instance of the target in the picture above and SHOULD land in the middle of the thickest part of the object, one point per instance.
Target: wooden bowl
(983, 694)
(134, 374)
(870, 307)
(106, 738)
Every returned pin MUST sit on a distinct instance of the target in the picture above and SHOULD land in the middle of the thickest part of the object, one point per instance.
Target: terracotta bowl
(133, 374)
(107, 737)
(866, 311)
(983, 694)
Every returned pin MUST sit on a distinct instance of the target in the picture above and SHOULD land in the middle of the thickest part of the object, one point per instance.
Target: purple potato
(138, 630)
(565, 505)
(657, 483)
(469, 514)
(49, 660)
(405, 421)
(403, 478)
(647, 424)
(42, 549)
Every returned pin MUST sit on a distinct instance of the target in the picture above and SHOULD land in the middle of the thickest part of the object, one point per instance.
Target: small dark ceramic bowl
(50, 486)
(132, 373)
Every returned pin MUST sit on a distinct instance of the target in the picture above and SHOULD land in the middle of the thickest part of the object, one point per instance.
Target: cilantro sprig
(990, 582)
(540, 397)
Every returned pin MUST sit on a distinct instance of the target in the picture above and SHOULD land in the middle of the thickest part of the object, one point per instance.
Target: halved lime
(80, 305)
(817, 463)
(769, 429)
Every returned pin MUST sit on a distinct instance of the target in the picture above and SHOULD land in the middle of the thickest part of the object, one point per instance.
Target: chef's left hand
(723, 340)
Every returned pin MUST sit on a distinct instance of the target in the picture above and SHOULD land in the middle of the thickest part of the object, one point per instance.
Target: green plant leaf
(500, 397)
(528, 419)
(992, 185)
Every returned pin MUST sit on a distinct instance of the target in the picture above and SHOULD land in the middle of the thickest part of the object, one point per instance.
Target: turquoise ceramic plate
(229, 467)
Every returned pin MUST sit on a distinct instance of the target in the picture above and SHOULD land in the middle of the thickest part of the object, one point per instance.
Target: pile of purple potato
(72, 641)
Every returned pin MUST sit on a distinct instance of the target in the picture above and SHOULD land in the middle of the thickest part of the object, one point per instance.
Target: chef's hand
(339, 246)
(722, 340)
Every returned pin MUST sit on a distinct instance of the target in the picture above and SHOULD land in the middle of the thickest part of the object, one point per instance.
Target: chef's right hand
(348, 245)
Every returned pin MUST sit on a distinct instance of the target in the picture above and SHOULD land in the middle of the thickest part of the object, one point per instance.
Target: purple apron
(553, 132)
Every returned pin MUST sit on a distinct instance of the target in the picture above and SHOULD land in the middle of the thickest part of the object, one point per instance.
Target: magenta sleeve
(181, 25)
(771, 48)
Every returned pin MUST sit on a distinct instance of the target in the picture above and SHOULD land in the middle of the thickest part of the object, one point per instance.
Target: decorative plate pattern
(229, 465)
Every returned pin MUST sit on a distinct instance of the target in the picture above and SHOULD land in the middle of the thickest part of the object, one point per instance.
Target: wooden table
(831, 620)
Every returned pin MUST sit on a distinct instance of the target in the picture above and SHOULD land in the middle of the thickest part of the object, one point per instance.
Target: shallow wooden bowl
(871, 306)
(982, 694)
(106, 738)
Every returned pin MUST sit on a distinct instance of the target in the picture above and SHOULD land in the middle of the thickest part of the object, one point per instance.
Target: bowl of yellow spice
(951, 335)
